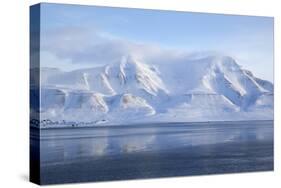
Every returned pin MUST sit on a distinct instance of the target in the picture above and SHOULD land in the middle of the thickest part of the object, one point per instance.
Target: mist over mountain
(128, 90)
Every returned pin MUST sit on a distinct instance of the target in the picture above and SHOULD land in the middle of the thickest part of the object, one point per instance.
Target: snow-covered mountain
(131, 90)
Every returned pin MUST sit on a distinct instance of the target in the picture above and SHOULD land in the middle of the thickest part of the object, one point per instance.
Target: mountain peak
(227, 62)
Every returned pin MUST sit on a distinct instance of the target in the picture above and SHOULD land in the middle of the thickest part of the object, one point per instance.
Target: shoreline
(142, 125)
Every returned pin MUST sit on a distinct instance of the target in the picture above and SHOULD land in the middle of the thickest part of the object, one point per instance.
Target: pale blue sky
(69, 32)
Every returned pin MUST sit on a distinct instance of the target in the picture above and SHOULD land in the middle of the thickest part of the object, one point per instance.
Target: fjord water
(154, 150)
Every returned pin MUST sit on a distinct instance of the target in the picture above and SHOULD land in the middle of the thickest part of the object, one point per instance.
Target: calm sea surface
(154, 150)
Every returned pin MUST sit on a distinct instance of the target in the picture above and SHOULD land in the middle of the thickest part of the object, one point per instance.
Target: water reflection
(66, 145)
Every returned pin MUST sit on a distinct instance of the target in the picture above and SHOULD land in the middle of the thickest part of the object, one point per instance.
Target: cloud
(71, 48)
(89, 46)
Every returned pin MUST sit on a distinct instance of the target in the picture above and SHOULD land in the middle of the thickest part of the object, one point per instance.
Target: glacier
(130, 90)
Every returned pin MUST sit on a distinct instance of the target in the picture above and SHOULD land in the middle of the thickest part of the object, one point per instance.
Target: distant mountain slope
(130, 90)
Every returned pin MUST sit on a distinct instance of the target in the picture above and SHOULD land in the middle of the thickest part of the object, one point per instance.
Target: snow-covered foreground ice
(155, 150)
(129, 91)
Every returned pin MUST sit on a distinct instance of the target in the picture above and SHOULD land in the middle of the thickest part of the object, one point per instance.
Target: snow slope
(131, 90)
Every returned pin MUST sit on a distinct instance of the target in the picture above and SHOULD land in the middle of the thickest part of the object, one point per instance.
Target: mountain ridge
(211, 88)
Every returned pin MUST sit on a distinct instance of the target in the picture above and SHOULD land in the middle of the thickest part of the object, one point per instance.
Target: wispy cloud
(78, 46)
